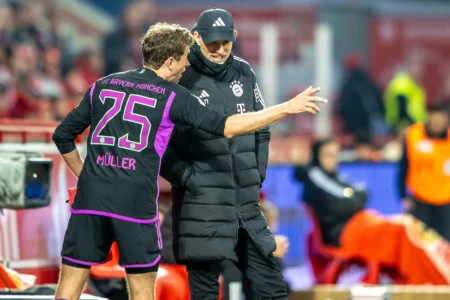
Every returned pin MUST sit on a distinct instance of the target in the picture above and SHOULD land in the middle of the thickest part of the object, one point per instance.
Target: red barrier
(29, 130)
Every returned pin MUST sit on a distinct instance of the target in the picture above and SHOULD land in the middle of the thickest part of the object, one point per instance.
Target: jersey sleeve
(193, 111)
(258, 98)
(262, 137)
(74, 124)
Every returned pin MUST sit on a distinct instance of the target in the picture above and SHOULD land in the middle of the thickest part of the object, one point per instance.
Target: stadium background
(53, 50)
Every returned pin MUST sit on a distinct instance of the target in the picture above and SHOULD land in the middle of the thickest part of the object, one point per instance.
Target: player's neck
(160, 72)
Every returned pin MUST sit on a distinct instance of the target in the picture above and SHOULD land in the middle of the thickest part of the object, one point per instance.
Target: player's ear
(235, 33)
(197, 38)
(169, 63)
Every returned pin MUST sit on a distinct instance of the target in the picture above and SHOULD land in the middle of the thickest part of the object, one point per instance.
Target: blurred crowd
(367, 110)
(40, 75)
(43, 73)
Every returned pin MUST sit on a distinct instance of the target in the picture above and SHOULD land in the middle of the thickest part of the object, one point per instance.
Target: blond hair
(162, 41)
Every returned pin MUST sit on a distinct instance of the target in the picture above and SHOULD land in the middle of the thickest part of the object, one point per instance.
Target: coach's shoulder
(190, 78)
(242, 66)
(179, 89)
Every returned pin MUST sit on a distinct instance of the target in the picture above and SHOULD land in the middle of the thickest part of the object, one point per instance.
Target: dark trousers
(263, 273)
(435, 217)
(234, 283)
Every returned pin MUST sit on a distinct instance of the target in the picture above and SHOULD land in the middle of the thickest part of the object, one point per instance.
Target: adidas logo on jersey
(204, 96)
(200, 100)
(219, 23)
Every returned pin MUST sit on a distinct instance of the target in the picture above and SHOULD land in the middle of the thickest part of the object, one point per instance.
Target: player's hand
(282, 246)
(305, 102)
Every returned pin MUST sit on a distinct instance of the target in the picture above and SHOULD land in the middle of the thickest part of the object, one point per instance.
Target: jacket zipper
(237, 194)
(230, 145)
(234, 173)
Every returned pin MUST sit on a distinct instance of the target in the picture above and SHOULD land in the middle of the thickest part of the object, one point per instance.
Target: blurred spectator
(121, 48)
(6, 92)
(405, 97)
(25, 24)
(416, 253)
(424, 177)
(392, 150)
(6, 27)
(360, 103)
(364, 150)
(445, 98)
(76, 85)
(90, 65)
(32, 59)
(324, 188)
(87, 68)
(163, 209)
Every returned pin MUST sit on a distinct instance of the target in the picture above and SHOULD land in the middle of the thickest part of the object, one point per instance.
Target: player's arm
(262, 137)
(67, 131)
(247, 123)
(192, 111)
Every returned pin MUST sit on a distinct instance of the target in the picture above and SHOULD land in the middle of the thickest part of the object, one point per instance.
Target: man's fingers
(318, 99)
(310, 110)
(314, 107)
(314, 90)
(310, 91)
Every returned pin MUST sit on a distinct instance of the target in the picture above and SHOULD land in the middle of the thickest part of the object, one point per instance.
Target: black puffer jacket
(215, 180)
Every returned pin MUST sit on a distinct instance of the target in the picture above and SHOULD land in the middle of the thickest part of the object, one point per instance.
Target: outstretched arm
(247, 123)
(192, 111)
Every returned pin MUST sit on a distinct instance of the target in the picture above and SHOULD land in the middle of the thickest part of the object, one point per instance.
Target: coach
(215, 180)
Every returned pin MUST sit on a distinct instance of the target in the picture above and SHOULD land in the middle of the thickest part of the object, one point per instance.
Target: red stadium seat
(328, 262)
(72, 193)
(172, 283)
(10, 279)
(111, 268)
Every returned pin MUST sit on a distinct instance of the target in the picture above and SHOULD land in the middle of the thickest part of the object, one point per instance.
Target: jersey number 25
(128, 115)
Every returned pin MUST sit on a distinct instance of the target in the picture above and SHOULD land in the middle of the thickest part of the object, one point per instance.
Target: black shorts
(88, 240)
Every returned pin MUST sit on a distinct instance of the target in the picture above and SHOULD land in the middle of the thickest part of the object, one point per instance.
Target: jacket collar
(206, 67)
